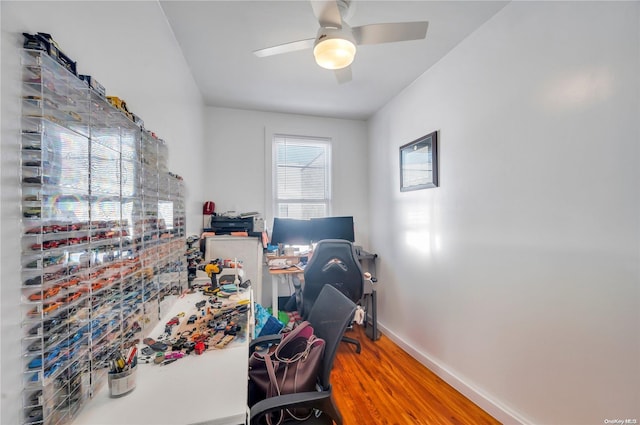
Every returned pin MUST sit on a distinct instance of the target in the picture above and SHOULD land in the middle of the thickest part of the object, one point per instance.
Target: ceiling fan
(334, 47)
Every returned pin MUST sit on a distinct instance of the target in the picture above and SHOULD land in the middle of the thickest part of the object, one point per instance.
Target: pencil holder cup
(122, 383)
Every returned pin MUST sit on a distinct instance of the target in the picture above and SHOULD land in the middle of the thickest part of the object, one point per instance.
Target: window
(302, 176)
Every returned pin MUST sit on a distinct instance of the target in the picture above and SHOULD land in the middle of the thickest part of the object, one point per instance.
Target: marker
(132, 353)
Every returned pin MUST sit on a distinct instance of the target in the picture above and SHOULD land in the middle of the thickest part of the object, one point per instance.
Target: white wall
(239, 150)
(518, 279)
(130, 49)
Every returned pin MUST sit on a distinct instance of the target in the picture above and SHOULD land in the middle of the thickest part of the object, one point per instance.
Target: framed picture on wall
(419, 163)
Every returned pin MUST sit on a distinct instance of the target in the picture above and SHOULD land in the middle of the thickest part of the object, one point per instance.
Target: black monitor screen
(332, 228)
(290, 231)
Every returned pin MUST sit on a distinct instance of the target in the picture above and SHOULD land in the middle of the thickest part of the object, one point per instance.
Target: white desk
(198, 389)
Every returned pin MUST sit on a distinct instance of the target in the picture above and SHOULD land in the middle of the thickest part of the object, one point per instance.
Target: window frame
(326, 143)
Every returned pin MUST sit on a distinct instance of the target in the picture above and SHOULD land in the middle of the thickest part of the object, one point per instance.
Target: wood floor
(384, 385)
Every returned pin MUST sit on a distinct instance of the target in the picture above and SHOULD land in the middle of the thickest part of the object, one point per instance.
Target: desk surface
(198, 389)
(288, 270)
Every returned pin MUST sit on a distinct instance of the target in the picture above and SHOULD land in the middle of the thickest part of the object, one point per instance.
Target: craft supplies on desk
(192, 380)
(122, 376)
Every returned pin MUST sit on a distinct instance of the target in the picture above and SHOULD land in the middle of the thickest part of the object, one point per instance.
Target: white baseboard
(492, 407)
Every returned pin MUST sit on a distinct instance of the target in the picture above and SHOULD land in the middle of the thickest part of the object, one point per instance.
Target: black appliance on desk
(221, 225)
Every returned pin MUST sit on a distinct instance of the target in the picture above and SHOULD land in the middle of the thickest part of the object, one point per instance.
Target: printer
(223, 225)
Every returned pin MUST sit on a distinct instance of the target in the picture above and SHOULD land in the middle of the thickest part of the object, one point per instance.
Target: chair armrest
(264, 340)
(271, 404)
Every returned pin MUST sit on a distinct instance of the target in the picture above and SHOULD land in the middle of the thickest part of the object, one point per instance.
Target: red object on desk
(199, 347)
(208, 208)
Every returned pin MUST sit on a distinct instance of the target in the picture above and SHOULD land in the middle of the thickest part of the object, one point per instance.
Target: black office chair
(330, 316)
(334, 262)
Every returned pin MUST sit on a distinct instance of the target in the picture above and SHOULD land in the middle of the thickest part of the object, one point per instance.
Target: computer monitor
(291, 231)
(332, 228)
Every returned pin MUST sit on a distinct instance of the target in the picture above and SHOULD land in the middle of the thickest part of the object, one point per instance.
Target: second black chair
(329, 317)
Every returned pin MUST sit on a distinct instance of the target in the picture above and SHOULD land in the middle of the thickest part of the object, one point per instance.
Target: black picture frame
(419, 163)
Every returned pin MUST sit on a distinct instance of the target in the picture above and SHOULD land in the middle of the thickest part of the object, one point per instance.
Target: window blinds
(302, 187)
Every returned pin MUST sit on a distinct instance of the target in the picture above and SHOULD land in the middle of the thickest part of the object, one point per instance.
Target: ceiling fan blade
(343, 75)
(388, 33)
(327, 12)
(285, 48)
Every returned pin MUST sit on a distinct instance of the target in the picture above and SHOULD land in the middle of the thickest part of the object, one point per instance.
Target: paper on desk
(279, 263)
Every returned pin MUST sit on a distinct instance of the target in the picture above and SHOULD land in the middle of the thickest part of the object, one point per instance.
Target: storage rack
(97, 252)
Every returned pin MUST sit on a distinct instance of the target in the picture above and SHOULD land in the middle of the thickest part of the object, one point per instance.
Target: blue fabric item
(265, 322)
(272, 327)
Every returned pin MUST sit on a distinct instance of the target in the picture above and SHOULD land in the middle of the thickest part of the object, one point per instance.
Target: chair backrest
(330, 316)
(334, 262)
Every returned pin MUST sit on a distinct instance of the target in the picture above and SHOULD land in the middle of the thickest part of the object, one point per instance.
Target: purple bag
(291, 368)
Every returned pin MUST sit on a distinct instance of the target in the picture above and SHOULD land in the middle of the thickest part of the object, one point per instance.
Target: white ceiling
(218, 38)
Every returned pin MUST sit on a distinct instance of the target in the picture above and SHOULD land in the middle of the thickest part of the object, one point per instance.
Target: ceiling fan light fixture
(334, 53)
